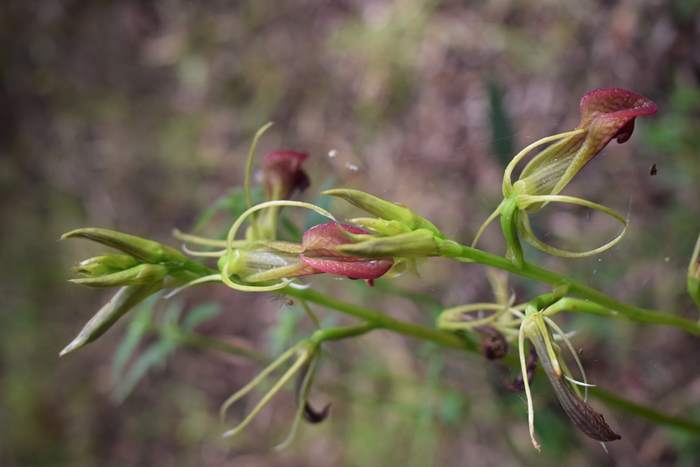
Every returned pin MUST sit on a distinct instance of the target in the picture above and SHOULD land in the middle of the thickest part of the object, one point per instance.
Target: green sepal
(419, 242)
(694, 289)
(694, 274)
(380, 226)
(509, 225)
(384, 209)
(137, 275)
(148, 251)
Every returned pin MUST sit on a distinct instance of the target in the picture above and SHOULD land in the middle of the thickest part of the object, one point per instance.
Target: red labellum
(353, 268)
(323, 238)
(319, 253)
(609, 113)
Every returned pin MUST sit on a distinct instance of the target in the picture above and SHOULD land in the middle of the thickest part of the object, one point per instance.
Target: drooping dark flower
(283, 175)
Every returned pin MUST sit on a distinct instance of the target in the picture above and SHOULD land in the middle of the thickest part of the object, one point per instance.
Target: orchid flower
(282, 174)
(248, 265)
(606, 114)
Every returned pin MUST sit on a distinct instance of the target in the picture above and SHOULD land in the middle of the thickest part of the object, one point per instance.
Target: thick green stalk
(339, 333)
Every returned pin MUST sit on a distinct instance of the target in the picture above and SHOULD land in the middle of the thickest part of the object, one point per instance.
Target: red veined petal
(609, 113)
(320, 239)
(351, 268)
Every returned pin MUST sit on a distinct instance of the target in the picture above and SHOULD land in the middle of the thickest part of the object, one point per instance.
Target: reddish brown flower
(610, 113)
(605, 114)
(283, 175)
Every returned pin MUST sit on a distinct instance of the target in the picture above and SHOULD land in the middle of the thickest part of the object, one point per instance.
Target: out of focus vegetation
(135, 115)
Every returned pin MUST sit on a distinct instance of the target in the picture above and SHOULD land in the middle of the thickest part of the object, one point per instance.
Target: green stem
(450, 340)
(643, 316)
(614, 307)
(378, 320)
(594, 302)
(338, 333)
(382, 321)
(625, 405)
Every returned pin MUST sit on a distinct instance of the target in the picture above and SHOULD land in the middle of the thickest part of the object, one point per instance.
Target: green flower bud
(384, 209)
(141, 248)
(106, 264)
(137, 275)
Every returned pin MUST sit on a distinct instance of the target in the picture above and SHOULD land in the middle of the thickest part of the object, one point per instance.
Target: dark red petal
(610, 112)
(353, 269)
(282, 173)
(321, 239)
(291, 159)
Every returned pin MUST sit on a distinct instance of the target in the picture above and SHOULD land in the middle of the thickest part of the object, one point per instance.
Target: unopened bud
(141, 248)
(384, 209)
(106, 264)
(137, 275)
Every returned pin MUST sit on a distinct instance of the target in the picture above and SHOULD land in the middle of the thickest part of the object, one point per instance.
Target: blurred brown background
(136, 115)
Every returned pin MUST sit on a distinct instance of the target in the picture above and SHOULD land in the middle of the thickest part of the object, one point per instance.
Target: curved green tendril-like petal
(549, 346)
(268, 396)
(570, 347)
(527, 200)
(303, 396)
(449, 318)
(201, 280)
(526, 383)
(230, 243)
(249, 162)
(235, 397)
(486, 223)
(198, 240)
